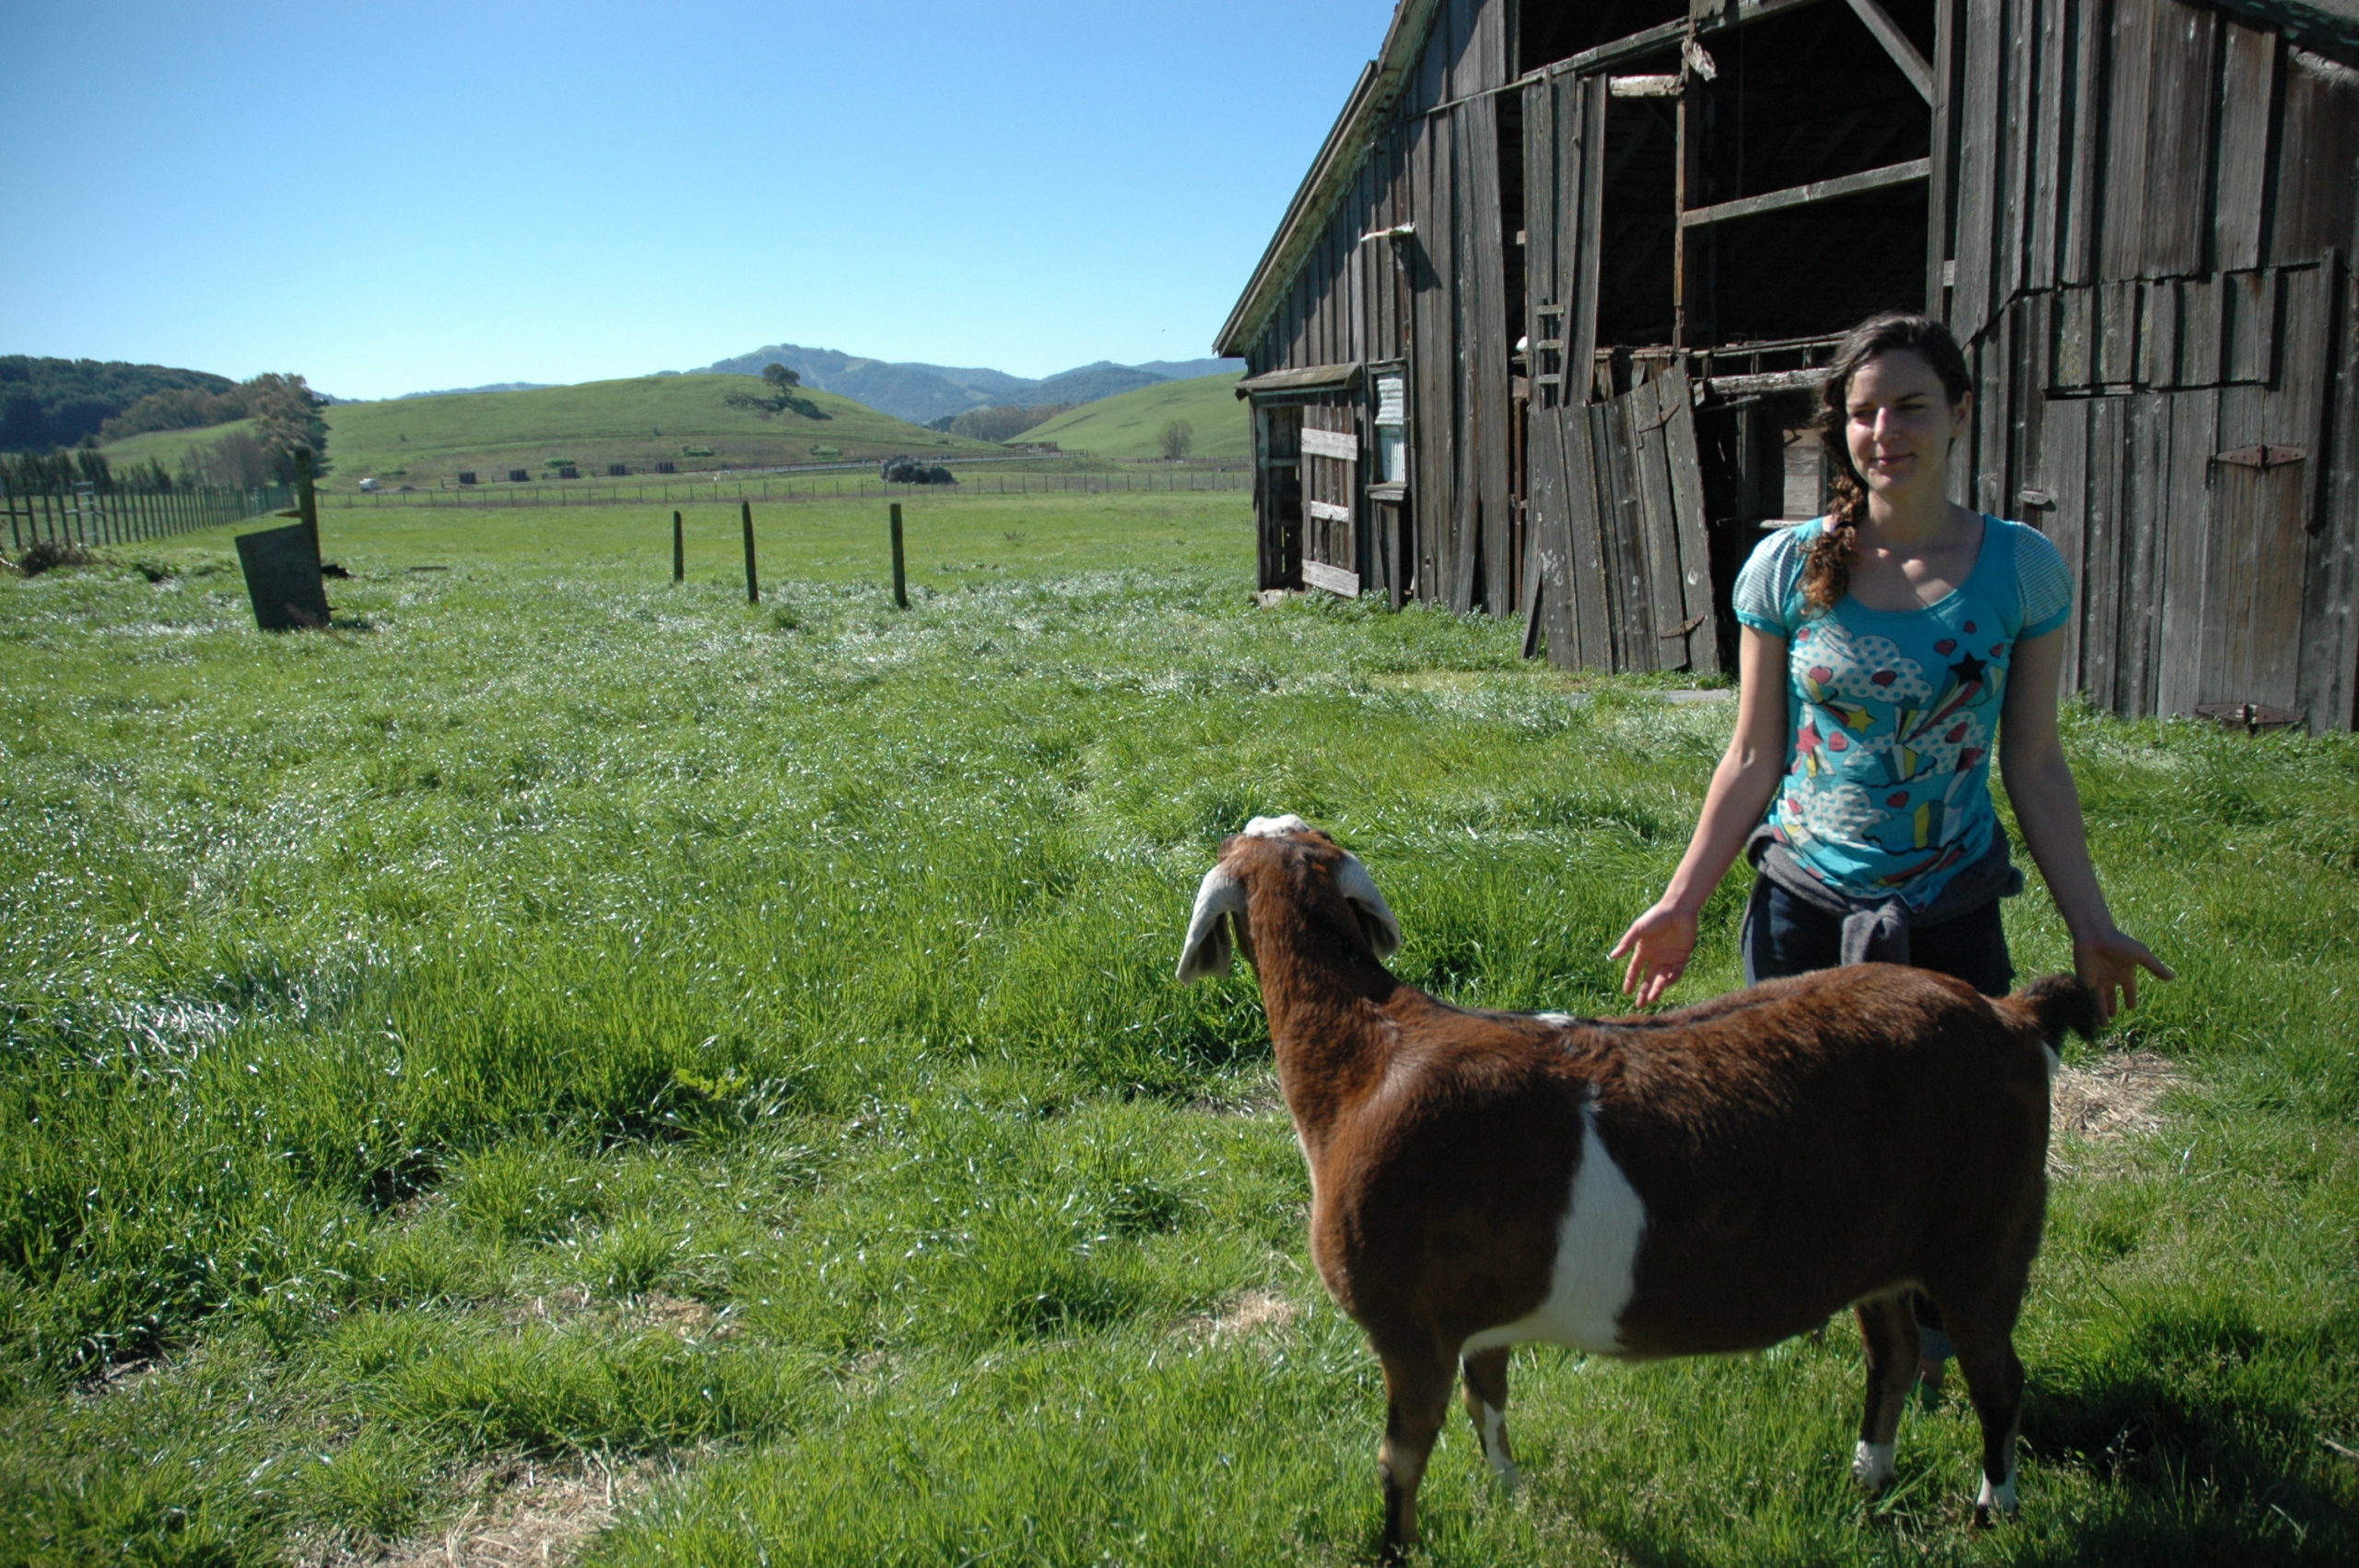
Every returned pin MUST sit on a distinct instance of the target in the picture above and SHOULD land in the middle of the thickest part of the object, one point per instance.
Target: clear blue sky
(416, 193)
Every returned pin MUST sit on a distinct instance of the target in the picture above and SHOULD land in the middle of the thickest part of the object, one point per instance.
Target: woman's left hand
(2109, 961)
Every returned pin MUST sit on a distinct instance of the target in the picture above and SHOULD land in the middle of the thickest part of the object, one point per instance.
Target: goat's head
(1268, 843)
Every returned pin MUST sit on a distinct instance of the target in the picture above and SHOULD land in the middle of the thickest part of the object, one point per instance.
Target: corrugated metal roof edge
(1315, 199)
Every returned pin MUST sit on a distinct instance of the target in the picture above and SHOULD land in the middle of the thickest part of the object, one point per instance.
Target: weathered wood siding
(1437, 301)
(2151, 211)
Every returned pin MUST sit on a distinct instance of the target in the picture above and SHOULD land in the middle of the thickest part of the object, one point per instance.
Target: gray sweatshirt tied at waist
(1875, 931)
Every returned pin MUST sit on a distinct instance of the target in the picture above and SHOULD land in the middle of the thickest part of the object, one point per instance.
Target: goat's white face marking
(1872, 1466)
(1275, 826)
(1597, 1259)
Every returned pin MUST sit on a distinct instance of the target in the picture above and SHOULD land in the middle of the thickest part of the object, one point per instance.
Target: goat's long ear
(1206, 951)
(1377, 922)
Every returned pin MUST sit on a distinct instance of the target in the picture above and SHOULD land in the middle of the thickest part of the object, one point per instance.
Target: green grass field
(1131, 424)
(428, 441)
(564, 1061)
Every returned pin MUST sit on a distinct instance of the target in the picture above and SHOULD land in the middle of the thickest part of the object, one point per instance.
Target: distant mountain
(462, 392)
(922, 394)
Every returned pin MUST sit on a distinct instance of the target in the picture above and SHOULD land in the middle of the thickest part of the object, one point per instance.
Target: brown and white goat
(1712, 1179)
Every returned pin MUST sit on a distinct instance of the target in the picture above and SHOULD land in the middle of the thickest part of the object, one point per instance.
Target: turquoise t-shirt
(1890, 714)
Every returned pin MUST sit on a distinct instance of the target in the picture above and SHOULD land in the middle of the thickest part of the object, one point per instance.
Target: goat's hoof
(1996, 1502)
(1872, 1466)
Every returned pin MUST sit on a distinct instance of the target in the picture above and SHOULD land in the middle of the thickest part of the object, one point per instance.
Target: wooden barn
(1537, 332)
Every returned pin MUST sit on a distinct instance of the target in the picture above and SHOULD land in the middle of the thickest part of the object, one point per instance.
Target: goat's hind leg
(1486, 1406)
(1994, 1377)
(1417, 1387)
(1888, 1334)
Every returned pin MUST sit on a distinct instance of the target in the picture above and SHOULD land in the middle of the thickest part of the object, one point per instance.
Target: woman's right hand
(1658, 944)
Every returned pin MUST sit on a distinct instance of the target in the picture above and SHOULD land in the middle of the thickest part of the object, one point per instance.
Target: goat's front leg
(1417, 1387)
(1487, 1407)
(1888, 1333)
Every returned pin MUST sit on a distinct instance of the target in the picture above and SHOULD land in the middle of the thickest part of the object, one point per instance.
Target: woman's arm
(1660, 940)
(2039, 785)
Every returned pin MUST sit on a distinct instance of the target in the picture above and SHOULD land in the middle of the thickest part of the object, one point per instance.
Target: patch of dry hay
(518, 1515)
(1252, 1315)
(2114, 1097)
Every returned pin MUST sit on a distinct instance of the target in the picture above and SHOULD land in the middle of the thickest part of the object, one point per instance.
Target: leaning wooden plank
(1584, 508)
(1656, 527)
(1469, 434)
(1697, 596)
(1541, 155)
(1625, 537)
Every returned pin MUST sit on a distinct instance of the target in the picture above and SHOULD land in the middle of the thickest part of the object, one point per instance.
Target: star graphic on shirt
(1968, 670)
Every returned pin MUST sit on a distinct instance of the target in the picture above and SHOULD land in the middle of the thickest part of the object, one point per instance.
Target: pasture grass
(557, 1018)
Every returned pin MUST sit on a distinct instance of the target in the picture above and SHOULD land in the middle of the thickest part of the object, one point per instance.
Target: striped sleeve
(1764, 588)
(2043, 582)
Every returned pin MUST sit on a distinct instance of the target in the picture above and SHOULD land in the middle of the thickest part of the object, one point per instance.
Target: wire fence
(86, 515)
(836, 486)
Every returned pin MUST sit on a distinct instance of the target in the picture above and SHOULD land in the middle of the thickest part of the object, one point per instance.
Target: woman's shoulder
(2036, 571)
(1768, 585)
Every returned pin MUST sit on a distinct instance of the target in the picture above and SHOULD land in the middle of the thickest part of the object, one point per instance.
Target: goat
(1707, 1180)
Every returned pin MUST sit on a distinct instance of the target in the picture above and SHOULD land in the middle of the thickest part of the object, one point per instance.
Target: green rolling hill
(1131, 424)
(685, 420)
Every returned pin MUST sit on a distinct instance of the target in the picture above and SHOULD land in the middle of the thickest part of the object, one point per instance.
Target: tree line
(285, 416)
(64, 403)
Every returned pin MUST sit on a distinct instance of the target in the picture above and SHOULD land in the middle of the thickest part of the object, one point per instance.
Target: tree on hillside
(287, 418)
(780, 377)
(1177, 439)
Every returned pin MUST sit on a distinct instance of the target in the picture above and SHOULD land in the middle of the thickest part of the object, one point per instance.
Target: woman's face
(1899, 423)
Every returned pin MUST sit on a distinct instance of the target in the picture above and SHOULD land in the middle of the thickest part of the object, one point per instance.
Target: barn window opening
(1390, 421)
(1547, 33)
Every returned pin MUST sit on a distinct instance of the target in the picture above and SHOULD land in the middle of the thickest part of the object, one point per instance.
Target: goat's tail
(2050, 1007)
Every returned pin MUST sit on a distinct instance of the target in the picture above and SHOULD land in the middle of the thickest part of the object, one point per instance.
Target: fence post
(307, 499)
(679, 551)
(900, 577)
(753, 586)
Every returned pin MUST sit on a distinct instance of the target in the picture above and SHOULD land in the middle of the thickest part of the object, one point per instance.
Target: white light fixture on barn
(1398, 232)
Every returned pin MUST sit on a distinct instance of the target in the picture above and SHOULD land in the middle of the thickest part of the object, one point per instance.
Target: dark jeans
(1798, 938)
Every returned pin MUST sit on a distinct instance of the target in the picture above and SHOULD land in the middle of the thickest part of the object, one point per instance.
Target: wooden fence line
(86, 516)
(1181, 482)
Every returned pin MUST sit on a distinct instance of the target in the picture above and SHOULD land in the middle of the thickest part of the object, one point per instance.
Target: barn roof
(2330, 27)
(1339, 159)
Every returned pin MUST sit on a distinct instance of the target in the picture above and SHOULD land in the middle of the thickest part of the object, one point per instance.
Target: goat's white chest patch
(1597, 1259)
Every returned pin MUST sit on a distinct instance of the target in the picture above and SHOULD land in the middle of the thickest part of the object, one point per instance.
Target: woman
(1881, 648)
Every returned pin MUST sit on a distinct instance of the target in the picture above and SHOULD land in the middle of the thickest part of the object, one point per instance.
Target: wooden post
(753, 588)
(900, 577)
(307, 500)
(679, 551)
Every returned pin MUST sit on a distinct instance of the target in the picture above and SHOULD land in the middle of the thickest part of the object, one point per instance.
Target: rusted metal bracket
(1683, 627)
(2264, 457)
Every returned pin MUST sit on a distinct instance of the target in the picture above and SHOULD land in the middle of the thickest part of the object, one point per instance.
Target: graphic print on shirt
(1886, 741)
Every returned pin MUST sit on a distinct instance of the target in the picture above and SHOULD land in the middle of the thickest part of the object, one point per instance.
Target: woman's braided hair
(1827, 560)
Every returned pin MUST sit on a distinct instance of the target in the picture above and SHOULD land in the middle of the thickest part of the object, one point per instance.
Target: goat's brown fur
(1806, 1145)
